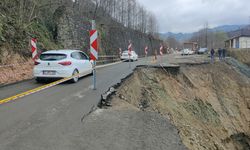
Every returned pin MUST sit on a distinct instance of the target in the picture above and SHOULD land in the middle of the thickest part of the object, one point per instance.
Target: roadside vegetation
(242, 55)
(65, 23)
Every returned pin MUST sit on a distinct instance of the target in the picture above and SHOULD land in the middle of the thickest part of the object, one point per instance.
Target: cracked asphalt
(129, 129)
(51, 119)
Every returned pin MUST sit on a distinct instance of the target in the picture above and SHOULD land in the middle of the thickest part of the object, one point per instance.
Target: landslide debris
(209, 103)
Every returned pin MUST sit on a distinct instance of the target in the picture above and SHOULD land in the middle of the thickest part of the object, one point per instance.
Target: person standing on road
(156, 54)
(223, 53)
(212, 55)
(220, 53)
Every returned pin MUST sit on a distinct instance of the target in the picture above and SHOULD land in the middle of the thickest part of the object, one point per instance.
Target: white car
(191, 52)
(187, 52)
(61, 64)
(125, 56)
(202, 51)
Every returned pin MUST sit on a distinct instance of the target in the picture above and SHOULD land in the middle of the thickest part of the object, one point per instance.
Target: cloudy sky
(191, 15)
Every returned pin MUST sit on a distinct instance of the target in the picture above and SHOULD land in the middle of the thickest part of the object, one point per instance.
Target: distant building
(190, 45)
(239, 38)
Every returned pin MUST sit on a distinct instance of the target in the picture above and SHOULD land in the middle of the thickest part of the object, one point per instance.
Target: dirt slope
(209, 104)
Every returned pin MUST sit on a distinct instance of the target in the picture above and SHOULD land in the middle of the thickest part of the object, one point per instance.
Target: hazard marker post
(129, 53)
(146, 53)
(120, 52)
(161, 53)
(34, 49)
(94, 50)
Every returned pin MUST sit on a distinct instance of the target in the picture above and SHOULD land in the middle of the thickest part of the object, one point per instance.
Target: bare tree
(173, 43)
(152, 27)
(130, 13)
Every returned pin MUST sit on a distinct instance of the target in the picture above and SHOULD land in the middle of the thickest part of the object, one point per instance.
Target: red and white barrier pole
(93, 45)
(161, 50)
(129, 49)
(146, 51)
(34, 49)
(120, 52)
(161, 53)
(129, 52)
(94, 51)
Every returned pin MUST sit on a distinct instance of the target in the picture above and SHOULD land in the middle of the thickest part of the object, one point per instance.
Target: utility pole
(206, 34)
(130, 52)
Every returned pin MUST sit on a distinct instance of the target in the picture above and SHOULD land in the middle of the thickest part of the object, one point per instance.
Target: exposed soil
(209, 103)
(16, 72)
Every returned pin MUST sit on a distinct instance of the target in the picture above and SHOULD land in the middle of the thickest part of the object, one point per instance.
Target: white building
(239, 39)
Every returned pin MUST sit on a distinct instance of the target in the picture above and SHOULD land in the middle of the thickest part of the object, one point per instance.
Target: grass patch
(202, 111)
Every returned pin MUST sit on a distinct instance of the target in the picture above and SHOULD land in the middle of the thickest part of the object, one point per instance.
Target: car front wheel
(76, 78)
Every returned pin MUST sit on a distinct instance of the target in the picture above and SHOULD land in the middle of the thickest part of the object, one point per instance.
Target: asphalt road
(51, 119)
(128, 129)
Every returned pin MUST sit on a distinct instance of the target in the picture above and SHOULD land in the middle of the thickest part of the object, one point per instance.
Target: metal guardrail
(104, 59)
(108, 56)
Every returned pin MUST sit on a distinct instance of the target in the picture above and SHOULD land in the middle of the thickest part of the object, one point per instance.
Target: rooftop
(241, 32)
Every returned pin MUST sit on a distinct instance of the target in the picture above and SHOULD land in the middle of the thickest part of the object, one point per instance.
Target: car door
(87, 66)
(77, 61)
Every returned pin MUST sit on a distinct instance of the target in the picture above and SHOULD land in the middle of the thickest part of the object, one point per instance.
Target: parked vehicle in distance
(202, 51)
(187, 52)
(125, 56)
(61, 64)
(191, 52)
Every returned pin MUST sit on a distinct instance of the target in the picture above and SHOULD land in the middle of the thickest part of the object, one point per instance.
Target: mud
(209, 104)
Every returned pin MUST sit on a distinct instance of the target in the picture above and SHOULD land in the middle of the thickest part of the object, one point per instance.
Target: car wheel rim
(75, 78)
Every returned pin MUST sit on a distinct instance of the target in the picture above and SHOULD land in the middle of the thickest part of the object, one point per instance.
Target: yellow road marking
(38, 89)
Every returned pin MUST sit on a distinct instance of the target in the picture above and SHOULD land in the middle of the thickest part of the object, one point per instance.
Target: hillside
(227, 28)
(185, 36)
(178, 36)
(62, 24)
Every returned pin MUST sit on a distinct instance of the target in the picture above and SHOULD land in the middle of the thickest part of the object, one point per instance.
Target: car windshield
(203, 49)
(53, 57)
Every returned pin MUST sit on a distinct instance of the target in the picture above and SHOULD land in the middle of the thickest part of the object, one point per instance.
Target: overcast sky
(191, 15)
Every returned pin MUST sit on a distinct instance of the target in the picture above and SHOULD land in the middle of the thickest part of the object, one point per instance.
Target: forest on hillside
(22, 19)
